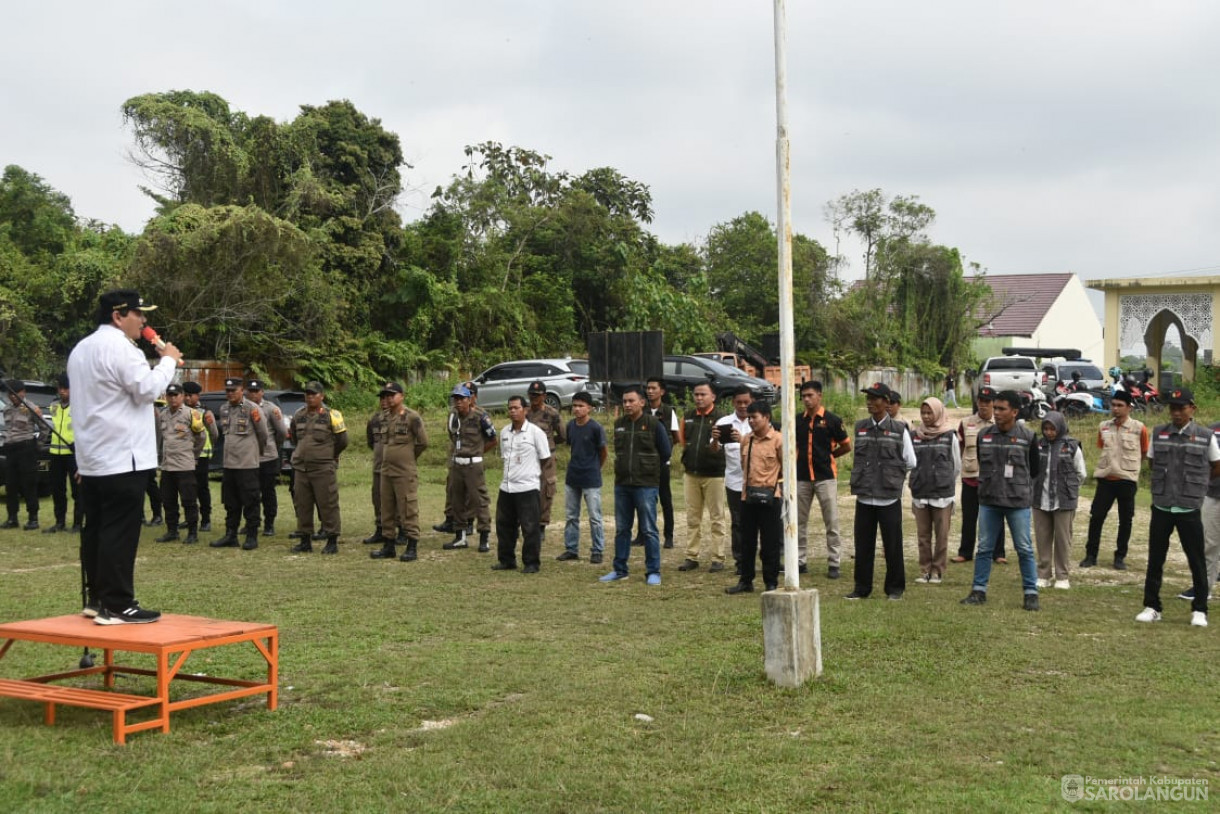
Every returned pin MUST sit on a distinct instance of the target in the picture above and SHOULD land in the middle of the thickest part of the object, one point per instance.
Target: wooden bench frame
(171, 641)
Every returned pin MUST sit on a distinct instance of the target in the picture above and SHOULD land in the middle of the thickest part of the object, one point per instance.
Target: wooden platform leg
(49, 714)
(120, 727)
(108, 660)
(273, 671)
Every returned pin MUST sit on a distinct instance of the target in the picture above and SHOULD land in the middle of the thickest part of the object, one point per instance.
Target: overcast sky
(1048, 136)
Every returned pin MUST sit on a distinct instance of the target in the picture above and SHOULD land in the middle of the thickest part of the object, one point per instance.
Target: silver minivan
(563, 378)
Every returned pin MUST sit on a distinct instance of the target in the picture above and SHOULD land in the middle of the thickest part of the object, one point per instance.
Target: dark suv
(682, 373)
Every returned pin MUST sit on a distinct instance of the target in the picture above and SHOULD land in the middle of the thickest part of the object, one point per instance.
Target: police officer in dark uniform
(245, 433)
(269, 464)
(22, 421)
(63, 462)
(203, 462)
(320, 435)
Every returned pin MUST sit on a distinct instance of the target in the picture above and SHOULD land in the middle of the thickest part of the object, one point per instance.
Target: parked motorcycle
(1075, 401)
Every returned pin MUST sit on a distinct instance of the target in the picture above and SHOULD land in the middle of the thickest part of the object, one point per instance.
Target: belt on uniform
(468, 461)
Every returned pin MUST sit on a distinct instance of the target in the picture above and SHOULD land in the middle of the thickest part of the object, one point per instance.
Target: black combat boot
(446, 527)
(304, 546)
(484, 544)
(191, 535)
(409, 555)
(459, 541)
(386, 552)
(228, 541)
(374, 538)
(251, 542)
(332, 544)
(170, 535)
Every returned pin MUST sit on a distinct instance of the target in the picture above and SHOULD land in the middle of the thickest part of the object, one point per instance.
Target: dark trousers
(1190, 534)
(175, 485)
(889, 520)
(239, 493)
(519, 510)
(203, 490)
(268, 477)
(63, 480)
(21, 477)
(970, 525)
(733, 498)
(153, 490)
(760, 531)
(114, 506)
(666, 496)
(1109, 491)
(377, 498)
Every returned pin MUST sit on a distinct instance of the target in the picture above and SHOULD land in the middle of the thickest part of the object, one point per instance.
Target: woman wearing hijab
(933, 484)
(1056, 491)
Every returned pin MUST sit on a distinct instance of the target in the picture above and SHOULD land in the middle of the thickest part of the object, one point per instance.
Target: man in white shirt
(728, 432)
(523, 446)
(114, 419)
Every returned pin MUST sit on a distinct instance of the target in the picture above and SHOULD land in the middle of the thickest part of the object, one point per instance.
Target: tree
(36, 218)
(877, 220)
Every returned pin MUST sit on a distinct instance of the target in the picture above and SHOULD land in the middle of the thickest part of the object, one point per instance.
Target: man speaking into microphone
(116, 449)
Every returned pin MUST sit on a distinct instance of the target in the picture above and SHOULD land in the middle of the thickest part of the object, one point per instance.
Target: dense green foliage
(279, 244)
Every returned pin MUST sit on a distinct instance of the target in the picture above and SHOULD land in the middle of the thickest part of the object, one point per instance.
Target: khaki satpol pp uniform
(547, 419)
(320, 437)
(405, 440)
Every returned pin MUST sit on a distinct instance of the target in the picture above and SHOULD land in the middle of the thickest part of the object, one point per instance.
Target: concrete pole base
(792, 636)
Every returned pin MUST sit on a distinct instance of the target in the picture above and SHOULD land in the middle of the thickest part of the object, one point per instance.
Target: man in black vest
(1184, 457)
(1009, 465)
(883, 454)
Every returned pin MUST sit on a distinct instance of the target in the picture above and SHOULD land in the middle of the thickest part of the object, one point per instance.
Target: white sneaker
(1148, 615)
(1198, 619)
(924, 578)
(1043, 583)
(1062, 584)
(934, 579)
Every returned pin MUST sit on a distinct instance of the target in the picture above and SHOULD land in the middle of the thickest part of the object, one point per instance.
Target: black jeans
(970, 525)
(1109, 491)
(63, 480)
(889, 520)
(202, 490)
(114, 508)
(519, 510)
(239, 492)
(733, 498)
(21, 477)
(1190, 534)
(153, 490)
(268, 477)
(760, 531)
(175, 485)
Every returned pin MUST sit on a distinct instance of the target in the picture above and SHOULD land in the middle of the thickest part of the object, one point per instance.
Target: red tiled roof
(1023, 299)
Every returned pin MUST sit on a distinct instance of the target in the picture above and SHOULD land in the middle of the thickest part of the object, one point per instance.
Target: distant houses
(1041, 311)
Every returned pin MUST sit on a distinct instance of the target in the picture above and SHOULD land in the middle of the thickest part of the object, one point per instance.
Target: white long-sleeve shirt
(113, 392)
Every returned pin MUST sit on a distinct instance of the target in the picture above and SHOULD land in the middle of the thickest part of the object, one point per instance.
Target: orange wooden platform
(171, 640)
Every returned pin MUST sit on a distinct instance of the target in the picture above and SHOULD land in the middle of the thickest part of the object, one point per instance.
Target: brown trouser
(400, 501)
(932, 522)
(1053, 538)
(318, 487)
(550, 479)
(468, 496)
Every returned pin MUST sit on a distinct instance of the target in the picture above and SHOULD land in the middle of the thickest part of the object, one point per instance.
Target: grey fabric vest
(1067, 486)
(1180, 470)
(996, 450)
(878, 470)
(1213, 487)
(933, 476)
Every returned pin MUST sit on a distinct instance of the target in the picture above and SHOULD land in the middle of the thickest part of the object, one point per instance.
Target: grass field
(440, 685)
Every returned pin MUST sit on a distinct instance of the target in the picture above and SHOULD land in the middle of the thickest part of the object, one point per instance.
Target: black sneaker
(568, 556)
(530, 569)
(1120, 564)
(504, 566)
(32, 525)
(11, 523)
(595, 558)
(832, 572)
(269, 530)
(856, 595)
(1031, 602)
(1088, 562)
(894, 597)
(975, 598)
(689, 565)
(134, 615)
(55, 528)
(205, 525)
(669, 543)
(716, 566)
(741, 587)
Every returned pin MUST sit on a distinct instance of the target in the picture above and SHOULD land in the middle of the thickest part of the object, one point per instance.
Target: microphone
(152, 336)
